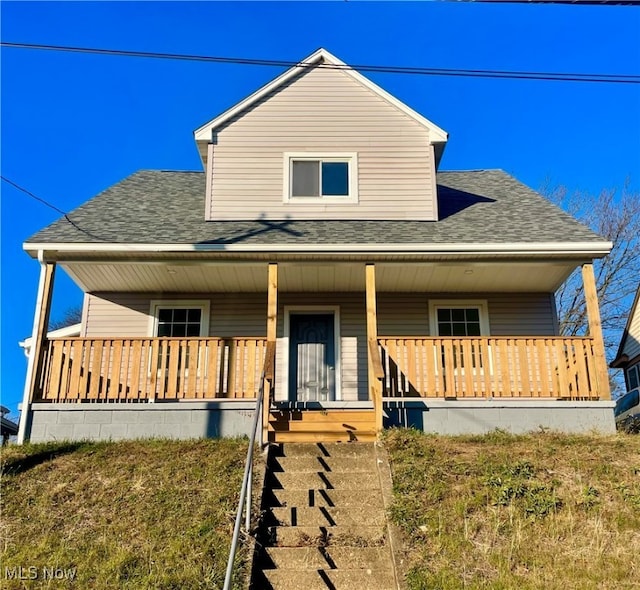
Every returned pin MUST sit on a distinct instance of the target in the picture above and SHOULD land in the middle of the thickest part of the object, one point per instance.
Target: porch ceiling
(230, 277)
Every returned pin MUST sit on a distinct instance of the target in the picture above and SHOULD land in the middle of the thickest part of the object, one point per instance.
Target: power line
(30, 194)
(476, 73)
(57, 209)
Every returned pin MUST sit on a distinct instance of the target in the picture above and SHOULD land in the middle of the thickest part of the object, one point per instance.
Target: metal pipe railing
(245, 491)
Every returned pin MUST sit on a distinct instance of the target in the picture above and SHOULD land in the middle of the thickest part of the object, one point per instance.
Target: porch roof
(167, 207)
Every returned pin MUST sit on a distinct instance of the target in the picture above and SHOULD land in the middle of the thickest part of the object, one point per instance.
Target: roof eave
(587, 250)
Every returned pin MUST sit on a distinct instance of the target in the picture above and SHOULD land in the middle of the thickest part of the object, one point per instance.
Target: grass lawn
(132, 515)
(499, 512)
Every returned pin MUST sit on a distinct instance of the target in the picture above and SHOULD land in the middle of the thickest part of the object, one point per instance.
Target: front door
(311, 357)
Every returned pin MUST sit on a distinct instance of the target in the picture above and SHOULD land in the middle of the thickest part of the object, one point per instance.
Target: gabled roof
(621, 359)
(317, 58)
(480, 211)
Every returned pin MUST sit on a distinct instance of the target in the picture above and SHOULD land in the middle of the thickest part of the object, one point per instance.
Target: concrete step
(369, 579)
(329, 517)
(319, 536)
(313, 558)
(323, 497)
(339, 464)
(325, 480)
(328, 449)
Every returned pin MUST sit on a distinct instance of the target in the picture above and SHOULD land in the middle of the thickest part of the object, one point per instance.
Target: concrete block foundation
(515, 416)
(112, 421)
(225, 418)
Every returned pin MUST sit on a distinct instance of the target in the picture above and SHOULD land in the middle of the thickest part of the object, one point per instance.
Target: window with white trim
(633, 377)
(310, 177)
(180, 319)
(459, 318)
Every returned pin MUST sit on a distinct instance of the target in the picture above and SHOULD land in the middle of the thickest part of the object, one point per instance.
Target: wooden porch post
(272, 303)
(595, 330)
(38, 339)
(272, 324)
(375, 389)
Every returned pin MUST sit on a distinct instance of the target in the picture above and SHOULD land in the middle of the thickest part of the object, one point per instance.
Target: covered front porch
(342, 349)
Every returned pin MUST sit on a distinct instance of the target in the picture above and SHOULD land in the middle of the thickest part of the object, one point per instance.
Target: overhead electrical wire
(48, 204)
(475, 73)
(30, 194)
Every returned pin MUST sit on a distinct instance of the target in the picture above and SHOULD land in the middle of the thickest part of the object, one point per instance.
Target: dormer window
(311, 177)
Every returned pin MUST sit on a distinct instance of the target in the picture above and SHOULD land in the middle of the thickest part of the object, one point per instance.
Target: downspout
(25, 407)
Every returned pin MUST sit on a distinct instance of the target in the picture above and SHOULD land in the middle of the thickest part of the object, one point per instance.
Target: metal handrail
(245, 491)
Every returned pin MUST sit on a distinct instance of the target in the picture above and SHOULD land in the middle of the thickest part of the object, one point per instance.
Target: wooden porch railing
(560, 368)
(133, 369)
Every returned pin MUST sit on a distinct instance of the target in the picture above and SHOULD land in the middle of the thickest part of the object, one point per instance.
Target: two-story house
(321, 248)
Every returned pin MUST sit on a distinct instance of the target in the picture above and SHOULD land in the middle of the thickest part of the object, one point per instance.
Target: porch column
(272, 303)
(38, 339)
(595, 330)
(272, 324)
(373, 354)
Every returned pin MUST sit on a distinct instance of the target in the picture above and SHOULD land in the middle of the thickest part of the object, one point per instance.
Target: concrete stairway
(324, 524)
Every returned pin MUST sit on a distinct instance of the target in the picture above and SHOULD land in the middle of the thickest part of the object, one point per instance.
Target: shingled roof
(166, 207)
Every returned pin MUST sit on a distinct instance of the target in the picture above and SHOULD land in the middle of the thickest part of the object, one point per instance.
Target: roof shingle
(165, 207)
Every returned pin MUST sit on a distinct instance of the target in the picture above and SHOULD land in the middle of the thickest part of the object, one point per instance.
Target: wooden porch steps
(320, 425)
(324, 520)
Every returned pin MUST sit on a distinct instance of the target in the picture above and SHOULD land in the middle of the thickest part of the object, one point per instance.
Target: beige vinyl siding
(512, 314)
(632, 343)
(243, 314)
(399, 314)
(522, 315)
(117, 315)
(127, 314)
(322, 111)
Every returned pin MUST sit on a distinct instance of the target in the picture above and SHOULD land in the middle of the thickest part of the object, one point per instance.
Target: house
(323, 258)
(628, 359)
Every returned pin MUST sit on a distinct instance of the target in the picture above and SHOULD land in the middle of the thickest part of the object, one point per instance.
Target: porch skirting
(515, 416)
(118, 421)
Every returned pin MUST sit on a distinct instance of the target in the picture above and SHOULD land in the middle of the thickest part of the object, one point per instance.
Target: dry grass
(132, 515)
(518, 512)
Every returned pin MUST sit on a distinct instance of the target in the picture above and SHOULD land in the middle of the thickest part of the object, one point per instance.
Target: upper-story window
(311, 177)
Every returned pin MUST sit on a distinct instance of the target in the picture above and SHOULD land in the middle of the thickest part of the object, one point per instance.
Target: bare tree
(71, 316)
(615, 215)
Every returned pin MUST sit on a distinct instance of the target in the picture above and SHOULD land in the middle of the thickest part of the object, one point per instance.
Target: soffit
(310, 277)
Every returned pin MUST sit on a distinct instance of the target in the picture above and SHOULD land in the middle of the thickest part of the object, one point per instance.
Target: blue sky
(74, 124)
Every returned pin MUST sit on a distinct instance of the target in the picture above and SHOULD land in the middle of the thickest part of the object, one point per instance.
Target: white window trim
(310, 309)
(350, 157)
(157, 304)
(480, 304)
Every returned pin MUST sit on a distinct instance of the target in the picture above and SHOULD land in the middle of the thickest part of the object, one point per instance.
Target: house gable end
(322, 58)
(319, 113)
